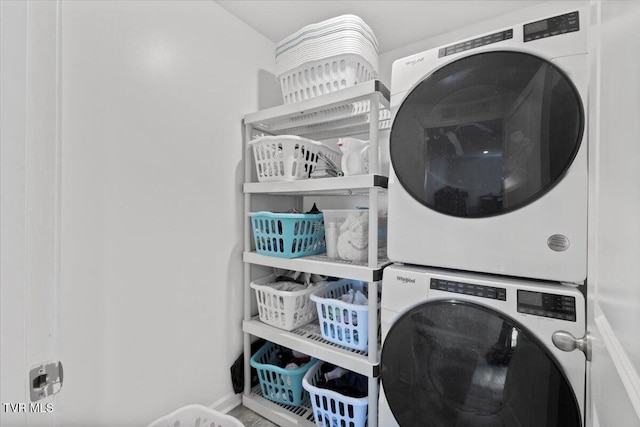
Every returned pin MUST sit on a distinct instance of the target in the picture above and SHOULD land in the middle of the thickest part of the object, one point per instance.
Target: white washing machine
(488, 153)
(474, 350)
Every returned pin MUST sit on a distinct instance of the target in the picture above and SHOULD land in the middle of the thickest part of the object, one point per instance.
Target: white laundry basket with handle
(196, 416)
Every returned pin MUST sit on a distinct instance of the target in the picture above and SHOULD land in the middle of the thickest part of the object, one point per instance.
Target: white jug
(355, 156)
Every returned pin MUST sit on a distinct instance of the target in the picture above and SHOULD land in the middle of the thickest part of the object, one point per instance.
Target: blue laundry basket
(341, 322)
(331, 408)
(288, 235)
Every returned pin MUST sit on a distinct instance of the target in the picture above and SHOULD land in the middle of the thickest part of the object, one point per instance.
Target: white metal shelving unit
(352, 111)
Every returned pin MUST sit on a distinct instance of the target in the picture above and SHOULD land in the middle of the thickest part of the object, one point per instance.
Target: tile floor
(250, 418)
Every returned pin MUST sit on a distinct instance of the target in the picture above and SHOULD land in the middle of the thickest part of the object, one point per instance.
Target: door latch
(565, 341)
(45, 380)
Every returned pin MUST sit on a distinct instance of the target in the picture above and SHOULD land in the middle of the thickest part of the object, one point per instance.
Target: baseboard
(227, 403)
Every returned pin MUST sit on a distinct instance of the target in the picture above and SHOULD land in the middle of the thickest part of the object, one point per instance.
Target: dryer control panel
(562, 24)
(477, 42)
(561, 307)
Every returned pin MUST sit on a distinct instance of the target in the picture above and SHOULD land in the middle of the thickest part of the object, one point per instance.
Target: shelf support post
(247, 267)
(374, 168)
(374, 126)
(372, 415)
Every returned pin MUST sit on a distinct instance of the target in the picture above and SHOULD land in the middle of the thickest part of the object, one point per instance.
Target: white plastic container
(319, 77)
(286, 310)
(289, 157)
(196, 416)
(347, 234)
(331, 26)
(325, 57)
(355, 156)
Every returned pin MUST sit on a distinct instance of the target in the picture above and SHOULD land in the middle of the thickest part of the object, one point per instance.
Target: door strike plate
(45, 380)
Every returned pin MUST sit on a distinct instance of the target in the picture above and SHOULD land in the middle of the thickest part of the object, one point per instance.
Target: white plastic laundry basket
(286, 310)
(315, 78)
(290, 157)
(196, 416)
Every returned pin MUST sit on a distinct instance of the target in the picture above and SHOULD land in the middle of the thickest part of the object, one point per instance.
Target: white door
(614, 215)
(29, 215)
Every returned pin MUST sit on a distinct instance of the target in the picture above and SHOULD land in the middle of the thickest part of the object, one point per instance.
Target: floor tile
(250, 418)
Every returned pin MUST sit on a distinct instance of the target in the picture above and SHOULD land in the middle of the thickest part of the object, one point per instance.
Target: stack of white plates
(326, 56)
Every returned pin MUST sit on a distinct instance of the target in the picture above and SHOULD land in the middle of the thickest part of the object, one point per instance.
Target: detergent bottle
(355, 156)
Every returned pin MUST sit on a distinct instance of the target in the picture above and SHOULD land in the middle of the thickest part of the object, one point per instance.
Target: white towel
(287, 286)
(355, 297)
(353, 241)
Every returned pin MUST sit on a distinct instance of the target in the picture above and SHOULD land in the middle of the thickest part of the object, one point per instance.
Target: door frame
(30, 183)
(613, 375)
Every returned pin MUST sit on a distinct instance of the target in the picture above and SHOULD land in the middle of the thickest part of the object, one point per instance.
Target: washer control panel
(469, 289)
(547, 305)
(562, 24)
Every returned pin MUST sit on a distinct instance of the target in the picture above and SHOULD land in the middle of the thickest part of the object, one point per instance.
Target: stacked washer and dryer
(487, 225)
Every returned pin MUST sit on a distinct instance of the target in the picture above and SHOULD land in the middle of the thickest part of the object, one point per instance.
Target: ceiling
(395, 23)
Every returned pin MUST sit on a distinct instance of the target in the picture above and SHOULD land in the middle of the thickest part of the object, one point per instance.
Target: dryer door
(486, 134)
(458, 364)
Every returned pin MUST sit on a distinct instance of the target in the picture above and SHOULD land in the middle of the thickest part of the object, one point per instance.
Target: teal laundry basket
(288, 235)
(278, 384)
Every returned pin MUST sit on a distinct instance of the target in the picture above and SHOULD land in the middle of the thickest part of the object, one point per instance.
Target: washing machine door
(458, 364)
(486, 134)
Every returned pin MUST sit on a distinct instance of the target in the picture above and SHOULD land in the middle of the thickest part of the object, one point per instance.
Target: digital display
(555, 26)
(535, 27)
(530, 298)
(555, 306)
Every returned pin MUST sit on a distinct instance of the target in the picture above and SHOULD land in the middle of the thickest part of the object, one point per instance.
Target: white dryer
(488, 153)
(472, 350)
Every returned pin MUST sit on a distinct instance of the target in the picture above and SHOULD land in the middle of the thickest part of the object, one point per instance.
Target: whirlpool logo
(405, 279)
(414, 61)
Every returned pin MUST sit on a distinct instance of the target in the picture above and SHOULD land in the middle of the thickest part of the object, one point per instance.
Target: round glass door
(457, 364)
(486, 134)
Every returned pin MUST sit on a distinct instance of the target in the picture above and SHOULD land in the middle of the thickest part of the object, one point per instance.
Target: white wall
(153, 96)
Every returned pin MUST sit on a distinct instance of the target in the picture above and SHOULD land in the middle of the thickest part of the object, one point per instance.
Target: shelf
(358, 110)
(341, 113)
(339, 186)
(321, 264)
(308, 340)
(282, 415)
